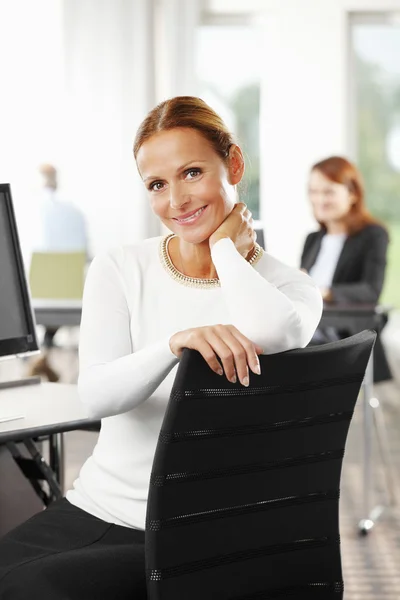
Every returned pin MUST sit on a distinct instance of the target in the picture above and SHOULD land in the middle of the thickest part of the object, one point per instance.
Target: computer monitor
(17, 324)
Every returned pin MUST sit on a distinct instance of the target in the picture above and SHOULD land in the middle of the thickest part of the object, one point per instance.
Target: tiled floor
(371, 564)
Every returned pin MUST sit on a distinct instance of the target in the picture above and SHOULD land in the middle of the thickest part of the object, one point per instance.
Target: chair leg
(37, 471)
(56, 457)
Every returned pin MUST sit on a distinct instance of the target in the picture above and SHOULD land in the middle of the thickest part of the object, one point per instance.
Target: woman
(207, 286)
(347, 256)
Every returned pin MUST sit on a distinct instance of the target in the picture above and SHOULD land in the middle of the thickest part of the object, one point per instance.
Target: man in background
(59, 227)
(62, 226)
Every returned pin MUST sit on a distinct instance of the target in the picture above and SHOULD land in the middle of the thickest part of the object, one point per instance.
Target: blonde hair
(190, 112)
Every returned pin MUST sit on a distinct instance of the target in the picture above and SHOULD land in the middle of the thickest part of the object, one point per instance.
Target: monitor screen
(17, 325)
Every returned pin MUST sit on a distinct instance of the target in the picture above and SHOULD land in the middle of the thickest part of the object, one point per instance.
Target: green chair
(57, 275)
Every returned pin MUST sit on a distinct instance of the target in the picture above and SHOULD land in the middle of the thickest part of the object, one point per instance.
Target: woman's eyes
(193, 172)
(154, 186)
(157, 186)
(321, 192)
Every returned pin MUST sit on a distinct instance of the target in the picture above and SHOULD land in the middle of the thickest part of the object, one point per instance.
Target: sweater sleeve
(114, 378)
(274, 305)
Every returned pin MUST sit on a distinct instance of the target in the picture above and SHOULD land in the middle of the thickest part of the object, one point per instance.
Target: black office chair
(244, 493)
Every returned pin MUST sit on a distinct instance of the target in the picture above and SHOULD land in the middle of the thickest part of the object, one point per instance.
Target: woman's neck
(335, 227)
(193, 260)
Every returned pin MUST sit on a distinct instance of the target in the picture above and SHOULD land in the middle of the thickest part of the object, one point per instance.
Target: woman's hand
(326, 294)
(238, 226)
(236, 352)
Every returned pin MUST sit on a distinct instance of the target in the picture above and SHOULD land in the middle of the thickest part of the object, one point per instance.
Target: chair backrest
(57, 275)
(243, 500)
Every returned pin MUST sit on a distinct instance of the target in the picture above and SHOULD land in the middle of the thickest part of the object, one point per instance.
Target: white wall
(305, 104)
(303, 114)
(244, 6)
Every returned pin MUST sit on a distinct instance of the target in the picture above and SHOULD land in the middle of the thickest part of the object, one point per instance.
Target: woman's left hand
(238, 226)
(326, 294)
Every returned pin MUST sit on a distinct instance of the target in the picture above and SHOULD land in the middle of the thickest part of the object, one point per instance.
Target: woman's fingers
(208, 354)
(238, 352)
(251, 350)
(224, 342)
(225, 352)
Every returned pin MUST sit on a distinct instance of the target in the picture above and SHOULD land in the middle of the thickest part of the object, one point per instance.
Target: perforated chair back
(244, 492)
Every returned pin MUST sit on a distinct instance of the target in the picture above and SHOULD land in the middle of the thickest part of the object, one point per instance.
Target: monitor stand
(4, 385)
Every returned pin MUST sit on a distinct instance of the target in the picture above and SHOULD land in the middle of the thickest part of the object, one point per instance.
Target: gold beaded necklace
(195, 281)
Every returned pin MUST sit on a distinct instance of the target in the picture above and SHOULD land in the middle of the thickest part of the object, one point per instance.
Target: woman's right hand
(235, 351)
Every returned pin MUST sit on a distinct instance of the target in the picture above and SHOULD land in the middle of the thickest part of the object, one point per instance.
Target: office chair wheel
(365, 526)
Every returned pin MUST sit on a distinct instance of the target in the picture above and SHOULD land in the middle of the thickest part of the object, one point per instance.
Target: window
(376, 104)
(227, 52)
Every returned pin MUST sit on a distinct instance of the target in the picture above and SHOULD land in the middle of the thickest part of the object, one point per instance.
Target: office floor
(371, 564)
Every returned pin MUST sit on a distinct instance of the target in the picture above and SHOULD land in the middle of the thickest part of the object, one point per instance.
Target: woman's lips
(191, 217)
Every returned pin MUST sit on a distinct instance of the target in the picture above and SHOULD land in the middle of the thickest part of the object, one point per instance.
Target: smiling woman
(347, 257)
(187, 182)
(192, 191)
(206, 286)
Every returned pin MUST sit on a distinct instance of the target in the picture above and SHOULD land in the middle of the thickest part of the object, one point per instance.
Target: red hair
(341, 170)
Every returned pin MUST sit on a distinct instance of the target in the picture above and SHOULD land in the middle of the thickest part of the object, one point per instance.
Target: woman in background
(346, 257)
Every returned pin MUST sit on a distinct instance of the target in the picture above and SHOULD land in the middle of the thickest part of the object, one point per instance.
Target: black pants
(63, 553)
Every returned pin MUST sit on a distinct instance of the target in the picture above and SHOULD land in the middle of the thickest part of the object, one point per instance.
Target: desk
(57, 313)
(48, 409)
(352, 317)
(356, 318)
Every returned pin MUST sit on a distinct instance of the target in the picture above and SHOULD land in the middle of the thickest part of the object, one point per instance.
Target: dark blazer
(360, 270)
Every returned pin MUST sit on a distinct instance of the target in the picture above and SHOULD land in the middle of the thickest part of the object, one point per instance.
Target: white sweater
(131, 308)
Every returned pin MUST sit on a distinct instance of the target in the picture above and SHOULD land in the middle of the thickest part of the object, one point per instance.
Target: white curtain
(121, 58)
(110, 86)
(176, 23)
(78, 77)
